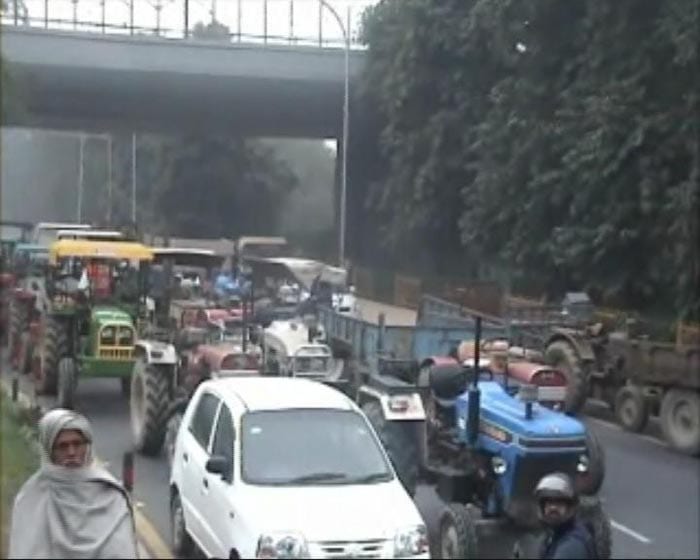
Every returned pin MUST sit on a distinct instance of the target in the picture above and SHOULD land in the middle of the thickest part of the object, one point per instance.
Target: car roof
(279, 393)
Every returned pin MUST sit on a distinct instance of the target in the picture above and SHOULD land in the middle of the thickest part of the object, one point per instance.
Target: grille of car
(373, 548)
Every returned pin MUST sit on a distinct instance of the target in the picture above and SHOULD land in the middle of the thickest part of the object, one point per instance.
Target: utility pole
(133, 177)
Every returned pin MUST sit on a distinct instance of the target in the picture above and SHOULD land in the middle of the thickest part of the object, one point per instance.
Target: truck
(635, 376)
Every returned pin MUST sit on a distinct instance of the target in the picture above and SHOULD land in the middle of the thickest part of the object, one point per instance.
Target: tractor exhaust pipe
(474, 393)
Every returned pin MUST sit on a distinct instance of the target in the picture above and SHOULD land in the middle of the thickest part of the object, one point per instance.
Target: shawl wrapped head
(64, 512)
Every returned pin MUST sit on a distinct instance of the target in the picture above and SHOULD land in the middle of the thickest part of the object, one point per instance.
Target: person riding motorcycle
(567, 537)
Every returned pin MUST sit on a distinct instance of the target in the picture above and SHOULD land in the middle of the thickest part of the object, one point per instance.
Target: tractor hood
(110, 315)
(500, 409)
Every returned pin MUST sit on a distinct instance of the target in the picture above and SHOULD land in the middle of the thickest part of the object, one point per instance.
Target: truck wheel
(593, 515)
(172, 427)
(458, 537)
(183, 546)
(680, 420)
(400, 441)
(47, 356)
(148, 404)
(67, 382)
(563, 356)
(631, 408)
(591, 482)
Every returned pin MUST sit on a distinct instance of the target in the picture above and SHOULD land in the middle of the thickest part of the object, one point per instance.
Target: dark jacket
(571, 541)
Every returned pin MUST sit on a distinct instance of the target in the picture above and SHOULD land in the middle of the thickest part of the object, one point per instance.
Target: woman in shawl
(71, 508)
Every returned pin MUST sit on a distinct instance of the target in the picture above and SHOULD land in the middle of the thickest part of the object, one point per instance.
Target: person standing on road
(71, 508)
(567, 537)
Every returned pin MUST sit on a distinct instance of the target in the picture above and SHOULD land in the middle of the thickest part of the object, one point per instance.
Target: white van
(286, 468)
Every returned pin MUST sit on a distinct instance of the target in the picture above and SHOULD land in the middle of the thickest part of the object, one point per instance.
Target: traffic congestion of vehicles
(241, 371)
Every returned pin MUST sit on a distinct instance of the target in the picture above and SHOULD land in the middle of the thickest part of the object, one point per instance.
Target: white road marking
(630, 532)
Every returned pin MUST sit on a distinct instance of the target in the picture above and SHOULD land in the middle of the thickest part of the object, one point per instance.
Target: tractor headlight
(411, 541)
(499, 465)
(583, 463)
(282, 545)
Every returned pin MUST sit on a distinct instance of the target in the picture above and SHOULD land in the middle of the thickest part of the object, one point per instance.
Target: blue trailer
(365, 342)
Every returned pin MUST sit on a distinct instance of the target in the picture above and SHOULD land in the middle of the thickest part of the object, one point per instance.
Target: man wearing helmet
(567, 537)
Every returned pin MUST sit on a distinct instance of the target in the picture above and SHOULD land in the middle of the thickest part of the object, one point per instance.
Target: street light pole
(81, 178)
(109, 180)
(346, 131)
(133, 177)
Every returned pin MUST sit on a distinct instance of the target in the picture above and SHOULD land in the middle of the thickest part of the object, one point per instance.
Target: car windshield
(311, 364)
(300, 447)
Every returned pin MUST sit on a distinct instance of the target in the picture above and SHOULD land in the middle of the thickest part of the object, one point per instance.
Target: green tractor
(97, 302)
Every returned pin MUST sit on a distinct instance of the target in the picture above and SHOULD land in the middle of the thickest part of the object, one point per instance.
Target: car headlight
(282, 545)
(411, 541)
(583, 463)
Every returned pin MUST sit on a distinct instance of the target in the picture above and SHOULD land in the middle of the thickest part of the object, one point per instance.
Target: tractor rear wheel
(148, 405)
(631, 408)
(458, 536)
(563, 356)
(680, 420)
(598, 522)
(47, 356)
(67, 382)
(400, 439)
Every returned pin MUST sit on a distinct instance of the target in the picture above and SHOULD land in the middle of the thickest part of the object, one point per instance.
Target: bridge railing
(266, 22)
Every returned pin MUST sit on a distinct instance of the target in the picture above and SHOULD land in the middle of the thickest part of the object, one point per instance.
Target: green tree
(557, 139)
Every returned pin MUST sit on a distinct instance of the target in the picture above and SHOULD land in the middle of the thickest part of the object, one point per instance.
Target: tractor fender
(578, 342)
(155, 352)
(398, 407)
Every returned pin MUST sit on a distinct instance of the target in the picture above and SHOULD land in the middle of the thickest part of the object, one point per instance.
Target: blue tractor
(483, 448)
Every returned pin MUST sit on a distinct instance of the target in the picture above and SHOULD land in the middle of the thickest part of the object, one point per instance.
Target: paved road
(652, 493)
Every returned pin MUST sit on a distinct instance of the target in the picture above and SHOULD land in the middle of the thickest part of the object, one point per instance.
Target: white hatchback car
(268, 467)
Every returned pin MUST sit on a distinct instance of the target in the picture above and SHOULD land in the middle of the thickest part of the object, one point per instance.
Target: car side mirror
(218, 464)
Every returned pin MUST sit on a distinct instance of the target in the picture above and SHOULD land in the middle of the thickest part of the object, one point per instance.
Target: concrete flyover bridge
(96, 70)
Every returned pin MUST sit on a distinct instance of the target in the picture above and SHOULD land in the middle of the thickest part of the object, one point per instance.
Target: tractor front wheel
(458, 536)
(148, 405)
(590, 482)
(400, 440)
(67, 382)
(171, 430)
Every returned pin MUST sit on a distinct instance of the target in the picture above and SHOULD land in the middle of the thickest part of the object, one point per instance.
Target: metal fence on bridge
(320, 23)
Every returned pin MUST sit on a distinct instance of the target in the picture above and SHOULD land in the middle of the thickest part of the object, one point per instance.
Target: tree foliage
(557, 139)
(203, 185)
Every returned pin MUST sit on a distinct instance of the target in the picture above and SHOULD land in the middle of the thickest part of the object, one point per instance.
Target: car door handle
(205, 482)
(185, 457)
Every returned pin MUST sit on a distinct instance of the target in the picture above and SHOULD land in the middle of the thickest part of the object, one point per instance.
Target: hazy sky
(305, 20)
